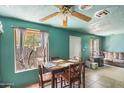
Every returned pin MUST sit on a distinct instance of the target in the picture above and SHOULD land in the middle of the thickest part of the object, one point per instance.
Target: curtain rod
(27, 28)
(17, 27)
(23, 28)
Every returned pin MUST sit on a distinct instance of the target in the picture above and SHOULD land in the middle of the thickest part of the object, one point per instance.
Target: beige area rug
(114, 76)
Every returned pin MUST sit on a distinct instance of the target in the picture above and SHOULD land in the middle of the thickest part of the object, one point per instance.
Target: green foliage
(32, 40)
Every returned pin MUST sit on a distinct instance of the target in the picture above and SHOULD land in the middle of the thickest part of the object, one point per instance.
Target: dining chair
(45, 77)
(72, 75)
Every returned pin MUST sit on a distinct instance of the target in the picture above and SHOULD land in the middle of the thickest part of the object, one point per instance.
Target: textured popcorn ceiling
(107, 25)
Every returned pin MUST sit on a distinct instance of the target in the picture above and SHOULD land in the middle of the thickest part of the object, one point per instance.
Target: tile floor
(103, 77)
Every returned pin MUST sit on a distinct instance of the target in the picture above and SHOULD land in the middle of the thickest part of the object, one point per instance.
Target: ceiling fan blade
(81, 16)
(65, 22)
(49, 16)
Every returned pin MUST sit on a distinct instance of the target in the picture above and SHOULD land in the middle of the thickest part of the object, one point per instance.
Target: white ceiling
(110, 24)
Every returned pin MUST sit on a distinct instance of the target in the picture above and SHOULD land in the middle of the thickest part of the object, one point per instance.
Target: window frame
(29, 69)
(94, 47)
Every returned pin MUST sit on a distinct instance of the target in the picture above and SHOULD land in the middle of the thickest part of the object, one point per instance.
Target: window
(31, 47)
(94, 47)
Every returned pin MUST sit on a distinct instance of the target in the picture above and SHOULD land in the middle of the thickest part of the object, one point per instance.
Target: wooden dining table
(58, 66)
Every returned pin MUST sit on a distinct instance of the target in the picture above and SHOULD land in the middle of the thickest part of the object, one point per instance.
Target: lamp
(1, 27)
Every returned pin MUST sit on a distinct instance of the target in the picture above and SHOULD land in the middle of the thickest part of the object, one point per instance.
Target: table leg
(53, 80)
(84, 76)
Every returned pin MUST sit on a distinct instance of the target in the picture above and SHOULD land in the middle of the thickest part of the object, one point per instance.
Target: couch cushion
(121, 56)
(106, 54)
(115, 55)
(110, 56)
(118, 61)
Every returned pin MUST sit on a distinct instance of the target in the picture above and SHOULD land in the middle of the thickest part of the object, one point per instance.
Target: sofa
(114, 58)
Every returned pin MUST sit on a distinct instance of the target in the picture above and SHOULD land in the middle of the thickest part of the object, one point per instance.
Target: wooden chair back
(75, 72)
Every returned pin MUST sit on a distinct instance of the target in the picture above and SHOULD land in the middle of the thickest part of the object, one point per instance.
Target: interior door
(74, 46)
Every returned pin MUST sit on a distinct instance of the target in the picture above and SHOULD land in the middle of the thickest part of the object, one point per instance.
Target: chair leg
(42, 86)
(56, 82)
(39, 83)
(70, 85)
(61, 82)
(79, 83)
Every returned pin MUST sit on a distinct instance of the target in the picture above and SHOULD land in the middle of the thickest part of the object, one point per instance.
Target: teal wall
(0, 60)
(58, 44)
(114, 43)
(58, 47)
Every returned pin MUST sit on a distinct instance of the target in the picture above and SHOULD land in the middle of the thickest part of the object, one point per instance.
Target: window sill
(21, 71)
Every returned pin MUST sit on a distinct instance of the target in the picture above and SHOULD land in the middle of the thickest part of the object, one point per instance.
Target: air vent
(101, 13)
(85, 7)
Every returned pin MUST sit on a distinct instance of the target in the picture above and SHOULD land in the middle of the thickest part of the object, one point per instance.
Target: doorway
(74, 46)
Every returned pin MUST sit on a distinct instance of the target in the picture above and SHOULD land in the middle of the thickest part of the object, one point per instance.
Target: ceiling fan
(66, 11)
